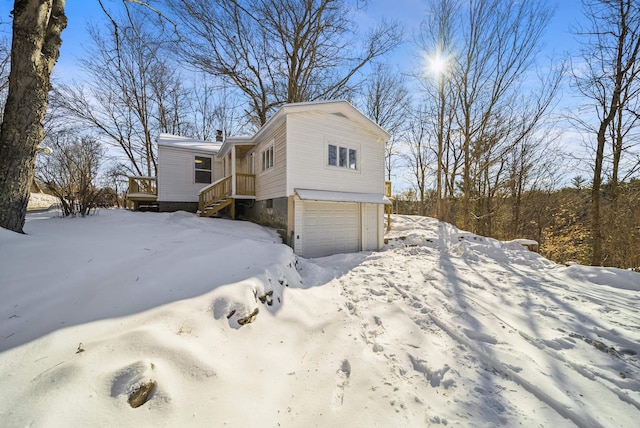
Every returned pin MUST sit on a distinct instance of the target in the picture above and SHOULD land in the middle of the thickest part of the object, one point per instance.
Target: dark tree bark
(37, 25)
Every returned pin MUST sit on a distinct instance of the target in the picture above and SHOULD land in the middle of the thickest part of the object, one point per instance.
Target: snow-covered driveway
(483, 332)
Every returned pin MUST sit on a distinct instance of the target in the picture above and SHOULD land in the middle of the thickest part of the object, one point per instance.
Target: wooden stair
(215, 197)
(222, 193)
(215, 207)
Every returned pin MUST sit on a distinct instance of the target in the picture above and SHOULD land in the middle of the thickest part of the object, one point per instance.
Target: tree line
(474, 127)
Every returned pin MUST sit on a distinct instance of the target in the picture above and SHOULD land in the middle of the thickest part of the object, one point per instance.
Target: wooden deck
(142, 191)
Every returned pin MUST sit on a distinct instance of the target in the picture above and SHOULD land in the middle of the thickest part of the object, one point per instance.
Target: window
(266, 159)
(342, 157)
(333, 155)
(352, 159)
(203, 169)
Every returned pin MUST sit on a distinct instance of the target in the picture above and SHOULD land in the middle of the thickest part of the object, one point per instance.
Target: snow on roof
(329, 196)
(179, 142)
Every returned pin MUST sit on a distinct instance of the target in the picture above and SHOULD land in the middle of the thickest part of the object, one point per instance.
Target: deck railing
(222, 189)
(388, 208)
(141, 186)
(214, 192)
(245, 184)
(387, 189)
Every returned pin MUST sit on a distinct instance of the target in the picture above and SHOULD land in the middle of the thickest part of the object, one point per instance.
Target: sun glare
(438, 64)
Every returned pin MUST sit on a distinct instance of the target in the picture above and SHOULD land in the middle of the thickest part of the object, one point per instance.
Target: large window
(203, 169)
(343, 157)
(266, 158)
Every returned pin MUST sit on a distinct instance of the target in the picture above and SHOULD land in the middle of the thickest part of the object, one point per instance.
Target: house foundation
(272, 213)
(164, 206)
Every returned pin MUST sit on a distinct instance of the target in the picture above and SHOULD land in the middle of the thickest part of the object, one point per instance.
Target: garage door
(327, 228)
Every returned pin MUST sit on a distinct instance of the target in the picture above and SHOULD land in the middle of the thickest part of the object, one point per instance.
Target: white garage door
(325, 228)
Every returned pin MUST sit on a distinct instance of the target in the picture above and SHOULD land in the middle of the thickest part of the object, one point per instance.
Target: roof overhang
(230, 142)
(329, 196)
(185, 143)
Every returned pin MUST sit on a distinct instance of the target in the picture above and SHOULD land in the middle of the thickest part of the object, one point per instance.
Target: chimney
(219, 135)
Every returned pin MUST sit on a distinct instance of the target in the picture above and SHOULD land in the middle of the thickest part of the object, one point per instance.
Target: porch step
(215, 207)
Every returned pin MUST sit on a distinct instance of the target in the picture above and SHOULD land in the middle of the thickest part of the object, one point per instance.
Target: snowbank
(441, 328)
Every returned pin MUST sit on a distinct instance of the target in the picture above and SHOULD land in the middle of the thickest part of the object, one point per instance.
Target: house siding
(309, 134)
(176, 183)
(272, 184)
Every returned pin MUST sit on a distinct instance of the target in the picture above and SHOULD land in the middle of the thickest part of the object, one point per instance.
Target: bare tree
(610, 77)
(435, 41)
(115, 177)
(419, 155)
(71, 170)
(278, 51)
(37, 26)
(493, 51)
(213, 107)
(387, 103)
(133, 93)
(532, 172)
(5, 64)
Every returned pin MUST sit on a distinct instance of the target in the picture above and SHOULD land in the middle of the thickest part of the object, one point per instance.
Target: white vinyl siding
(309, 136)
(176, 174)
(273, 183)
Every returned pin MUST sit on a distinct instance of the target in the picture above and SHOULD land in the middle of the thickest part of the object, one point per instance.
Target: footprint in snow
(342, 380)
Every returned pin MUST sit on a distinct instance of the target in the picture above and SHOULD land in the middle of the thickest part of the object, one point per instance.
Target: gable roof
(338, 107)
(186, 143)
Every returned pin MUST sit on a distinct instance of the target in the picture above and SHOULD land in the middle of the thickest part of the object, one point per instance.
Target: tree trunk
(440, 155)
(37, 25)
(596, 223)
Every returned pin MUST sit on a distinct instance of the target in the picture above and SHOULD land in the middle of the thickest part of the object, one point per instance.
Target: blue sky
(407, 12)
(558, 39)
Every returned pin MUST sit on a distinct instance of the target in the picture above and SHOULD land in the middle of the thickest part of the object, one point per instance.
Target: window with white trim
(202, 169)
(343, 157)
(266, 159)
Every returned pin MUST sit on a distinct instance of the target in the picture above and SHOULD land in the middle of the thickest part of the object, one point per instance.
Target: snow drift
(441, 327)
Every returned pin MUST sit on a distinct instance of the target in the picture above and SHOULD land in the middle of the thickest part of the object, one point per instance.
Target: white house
(185, 166)
(314, 171)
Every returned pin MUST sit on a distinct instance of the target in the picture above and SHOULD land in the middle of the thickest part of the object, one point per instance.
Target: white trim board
(331, 196)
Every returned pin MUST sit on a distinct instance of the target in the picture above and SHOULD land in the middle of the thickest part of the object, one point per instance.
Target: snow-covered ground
(440, 328)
